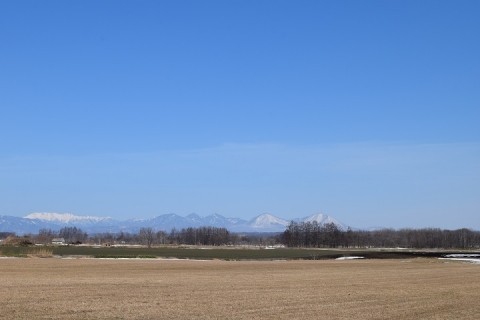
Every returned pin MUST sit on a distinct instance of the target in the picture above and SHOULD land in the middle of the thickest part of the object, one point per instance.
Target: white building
(58, 241)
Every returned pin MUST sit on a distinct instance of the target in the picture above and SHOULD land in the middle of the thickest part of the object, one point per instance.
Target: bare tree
(73, 234)
(161, 237)
(45, 236)
(148, 236)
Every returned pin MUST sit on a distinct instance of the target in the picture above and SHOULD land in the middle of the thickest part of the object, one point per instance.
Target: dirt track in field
(162, 289)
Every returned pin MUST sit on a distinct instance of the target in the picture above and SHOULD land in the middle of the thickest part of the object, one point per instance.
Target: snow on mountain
(216, 220)
(268, 222)
(236, 221)
(323, 219)
(64, 217)
(164, 222)
(195, 218)
(167, 222)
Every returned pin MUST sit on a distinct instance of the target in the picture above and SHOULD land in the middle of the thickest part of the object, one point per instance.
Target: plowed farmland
(35, 288)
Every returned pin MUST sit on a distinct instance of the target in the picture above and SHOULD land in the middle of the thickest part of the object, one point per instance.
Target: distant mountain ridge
(265, 222)
(64, 217)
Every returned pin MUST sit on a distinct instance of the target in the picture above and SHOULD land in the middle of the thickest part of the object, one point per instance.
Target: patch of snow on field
(463, 255)
(467, 257)
(350, 258)
(475, 261)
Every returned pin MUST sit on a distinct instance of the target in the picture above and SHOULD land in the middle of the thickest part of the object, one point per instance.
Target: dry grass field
(53, 288)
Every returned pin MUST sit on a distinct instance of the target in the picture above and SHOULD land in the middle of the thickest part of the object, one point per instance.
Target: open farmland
(223, 253)
(191, 289)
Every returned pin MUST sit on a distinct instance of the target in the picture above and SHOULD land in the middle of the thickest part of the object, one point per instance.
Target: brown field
(180, 289)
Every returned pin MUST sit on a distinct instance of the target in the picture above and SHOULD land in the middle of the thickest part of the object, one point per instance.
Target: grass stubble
(189, 289)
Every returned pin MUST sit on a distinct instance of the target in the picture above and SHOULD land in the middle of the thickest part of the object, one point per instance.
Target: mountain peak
(322, 218)
(267, 221)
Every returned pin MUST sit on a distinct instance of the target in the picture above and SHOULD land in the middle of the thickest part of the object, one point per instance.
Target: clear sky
(368, 111)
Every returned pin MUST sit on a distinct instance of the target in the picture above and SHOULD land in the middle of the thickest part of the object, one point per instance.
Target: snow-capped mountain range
(64, 217)
(266, 222)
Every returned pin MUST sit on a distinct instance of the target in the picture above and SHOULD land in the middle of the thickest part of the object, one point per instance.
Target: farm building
(58, 241)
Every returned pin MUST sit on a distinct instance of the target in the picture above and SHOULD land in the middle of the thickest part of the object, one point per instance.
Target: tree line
(297, 234)
(315, 235)
(71, 235)
(207, 236)
(210, 236)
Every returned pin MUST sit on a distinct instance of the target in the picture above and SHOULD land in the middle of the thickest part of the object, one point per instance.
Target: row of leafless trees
(209, 236)
(312, 234)
(70, 234)
(303, 234)
(148, 236)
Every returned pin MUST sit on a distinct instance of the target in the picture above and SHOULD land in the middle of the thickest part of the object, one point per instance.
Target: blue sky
(366, 110)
